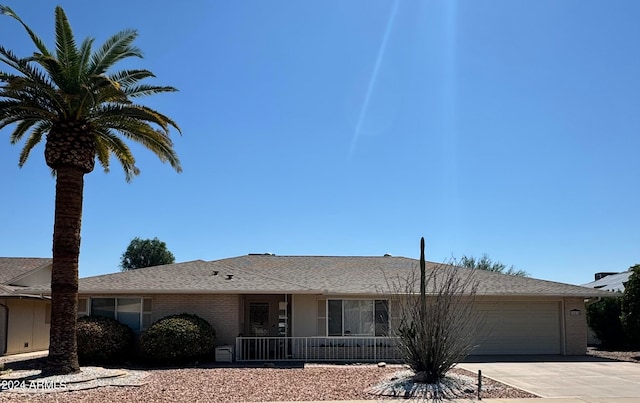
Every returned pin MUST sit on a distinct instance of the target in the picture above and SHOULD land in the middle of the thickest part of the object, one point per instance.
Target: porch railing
(364, 349)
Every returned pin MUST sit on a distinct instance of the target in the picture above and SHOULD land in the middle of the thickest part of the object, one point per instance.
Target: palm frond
(11, 115)
(21, 129)
(116, 48)
(121, 151)
(36, 40)
(102, 153)
(85, 56)
(130, 77)
(67, 52)
(25, 104)
(32, 141)
(145, 90)
(165, 118)
(32, 81)
(108, 111)
(157, 142)
(58, 73)
(100, 90)
(22, 65)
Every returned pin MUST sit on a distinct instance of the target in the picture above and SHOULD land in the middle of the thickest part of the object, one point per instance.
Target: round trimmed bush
(178, 339)
(103, 340)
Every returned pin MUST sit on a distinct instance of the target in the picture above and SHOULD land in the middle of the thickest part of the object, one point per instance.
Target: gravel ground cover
(313, 382)
(458, 384)
(631, 356)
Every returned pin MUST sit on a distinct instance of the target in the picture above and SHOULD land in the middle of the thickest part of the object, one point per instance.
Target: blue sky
(356, 127)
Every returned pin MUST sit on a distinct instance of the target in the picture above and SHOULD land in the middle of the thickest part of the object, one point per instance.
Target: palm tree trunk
(63, 352)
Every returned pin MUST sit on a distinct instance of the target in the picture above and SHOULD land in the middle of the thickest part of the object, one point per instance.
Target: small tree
(603, 318)
(145, 253)
(437, 330)
(631, 306)
(485, 263)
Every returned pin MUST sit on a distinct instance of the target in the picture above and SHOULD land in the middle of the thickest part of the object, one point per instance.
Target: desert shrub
(177, 339)
(437, 328)
(604, 319)
(103, 340)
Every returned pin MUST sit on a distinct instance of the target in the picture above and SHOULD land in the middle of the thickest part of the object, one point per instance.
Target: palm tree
(84, 112)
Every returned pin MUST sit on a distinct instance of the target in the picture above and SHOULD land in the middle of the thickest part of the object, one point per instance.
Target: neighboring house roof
(612, 282)
(339, 275)
(6, 291)
(14, 268)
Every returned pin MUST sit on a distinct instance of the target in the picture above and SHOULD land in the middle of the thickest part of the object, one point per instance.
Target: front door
(259, 319)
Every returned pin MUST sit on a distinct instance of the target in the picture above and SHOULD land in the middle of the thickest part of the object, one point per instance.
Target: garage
(519, 327)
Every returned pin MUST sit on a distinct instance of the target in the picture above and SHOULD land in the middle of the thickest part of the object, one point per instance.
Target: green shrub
(604, 319)
(103, 340)
(631, 307)
(178, 339)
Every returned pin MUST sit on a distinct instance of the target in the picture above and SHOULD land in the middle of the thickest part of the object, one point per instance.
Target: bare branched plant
(437, 323)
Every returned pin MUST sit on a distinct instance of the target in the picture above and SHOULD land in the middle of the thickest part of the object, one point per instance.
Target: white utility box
(224, 354)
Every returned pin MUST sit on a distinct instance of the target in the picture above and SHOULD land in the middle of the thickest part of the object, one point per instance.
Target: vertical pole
(423, 286)
(479, 384)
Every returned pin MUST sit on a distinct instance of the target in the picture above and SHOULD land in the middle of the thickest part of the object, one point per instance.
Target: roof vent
(229, 276)
(215, 272)
(262, 254)
(387, 255)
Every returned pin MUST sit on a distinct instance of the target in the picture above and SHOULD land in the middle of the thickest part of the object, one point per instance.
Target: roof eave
(194, 291)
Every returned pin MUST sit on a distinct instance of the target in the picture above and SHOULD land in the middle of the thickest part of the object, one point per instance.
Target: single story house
(24, 316)
(330, 307)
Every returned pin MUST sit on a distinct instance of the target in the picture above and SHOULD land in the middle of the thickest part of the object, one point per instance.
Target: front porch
(285, 327)
(317, 348)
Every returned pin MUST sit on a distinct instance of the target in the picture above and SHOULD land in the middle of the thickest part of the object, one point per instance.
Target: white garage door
(519, 328)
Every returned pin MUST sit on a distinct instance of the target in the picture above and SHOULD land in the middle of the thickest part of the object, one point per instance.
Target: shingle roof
(367, 275)
(14, 267)
(612, 282)
(191, 277)
(6, 290)
(303, 274)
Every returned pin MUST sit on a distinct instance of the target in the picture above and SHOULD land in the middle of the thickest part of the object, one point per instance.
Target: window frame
(142, 314)
(83, 306)
(373, 302)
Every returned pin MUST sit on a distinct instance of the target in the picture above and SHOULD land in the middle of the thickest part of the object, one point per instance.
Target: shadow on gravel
(38, 363)
(34, 363)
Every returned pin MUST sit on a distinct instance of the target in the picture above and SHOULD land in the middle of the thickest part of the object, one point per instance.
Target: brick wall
(222, 311)
(575, 326)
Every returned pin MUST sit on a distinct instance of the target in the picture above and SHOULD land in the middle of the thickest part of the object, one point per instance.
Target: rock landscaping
(236, 384)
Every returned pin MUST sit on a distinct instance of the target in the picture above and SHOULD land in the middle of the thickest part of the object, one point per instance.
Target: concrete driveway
(563, 376)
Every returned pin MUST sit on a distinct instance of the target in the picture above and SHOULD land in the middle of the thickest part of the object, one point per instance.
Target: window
(335, 317)
(382, 317)
(133, 312)
(103, 307)
(83, 307)
(358, 317)
(129, 312)
(321, 319)
(47, 314)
